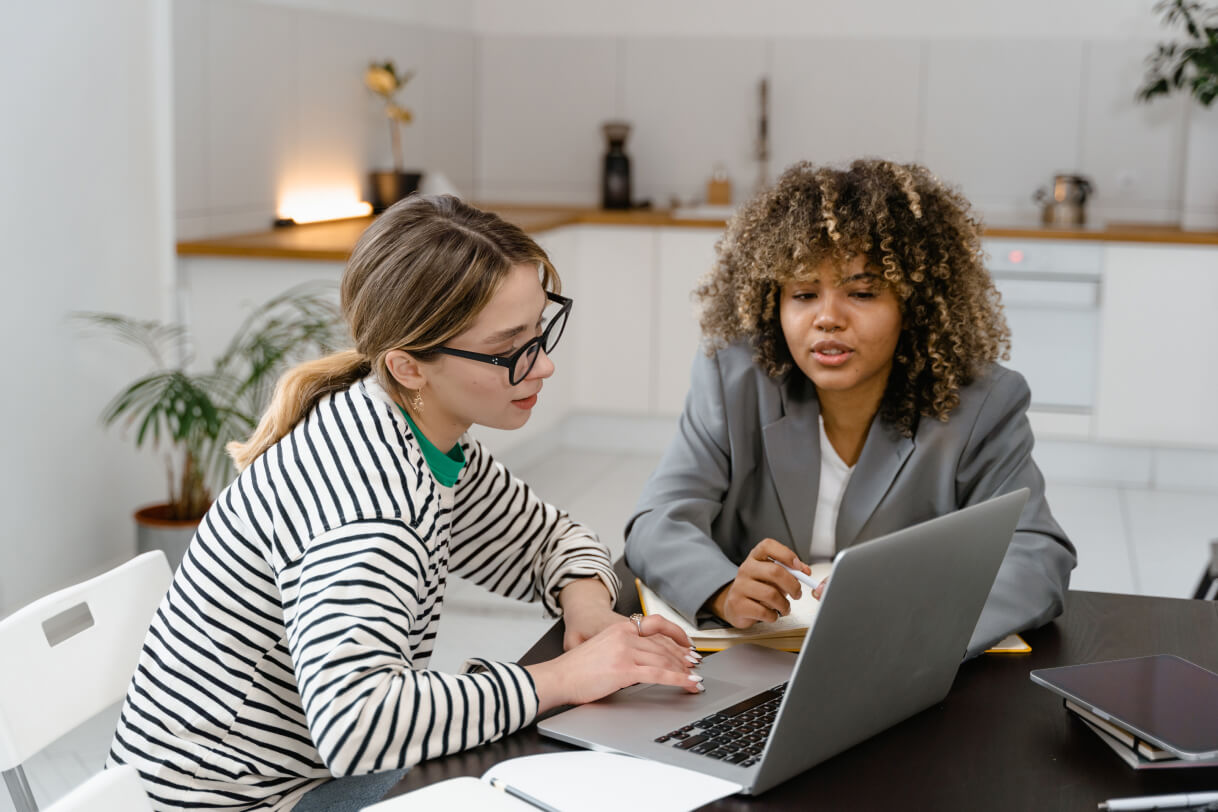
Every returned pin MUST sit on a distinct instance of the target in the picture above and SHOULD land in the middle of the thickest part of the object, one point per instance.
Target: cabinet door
(684, 256)
(1158, 380)
(611, 322)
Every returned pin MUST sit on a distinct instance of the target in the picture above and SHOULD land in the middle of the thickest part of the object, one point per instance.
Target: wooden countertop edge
(287, 243)
(1138, 234)
(218, 248)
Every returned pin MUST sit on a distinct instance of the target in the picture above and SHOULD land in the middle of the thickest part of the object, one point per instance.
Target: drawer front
(1044, 257)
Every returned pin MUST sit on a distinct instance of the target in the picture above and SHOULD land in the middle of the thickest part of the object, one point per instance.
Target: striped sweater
(294, 641)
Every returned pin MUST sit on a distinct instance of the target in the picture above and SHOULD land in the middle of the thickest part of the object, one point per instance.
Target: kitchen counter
(333, 240)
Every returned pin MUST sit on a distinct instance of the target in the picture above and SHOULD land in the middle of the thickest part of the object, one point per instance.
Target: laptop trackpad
(668, 697)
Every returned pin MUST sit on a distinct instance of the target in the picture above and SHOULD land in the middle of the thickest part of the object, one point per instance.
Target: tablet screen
(1166, 699)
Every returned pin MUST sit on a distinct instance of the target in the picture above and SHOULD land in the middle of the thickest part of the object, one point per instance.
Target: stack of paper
(787, 633)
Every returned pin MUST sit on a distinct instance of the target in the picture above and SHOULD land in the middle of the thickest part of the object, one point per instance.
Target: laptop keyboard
(736, 735)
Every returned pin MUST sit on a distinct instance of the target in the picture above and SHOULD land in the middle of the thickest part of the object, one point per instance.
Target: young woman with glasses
(850, 389)
(293, 646)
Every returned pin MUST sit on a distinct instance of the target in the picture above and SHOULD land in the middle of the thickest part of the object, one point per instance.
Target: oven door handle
(1055, 295)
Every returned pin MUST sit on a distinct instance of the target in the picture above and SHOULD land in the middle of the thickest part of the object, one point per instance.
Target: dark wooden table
(998, 742)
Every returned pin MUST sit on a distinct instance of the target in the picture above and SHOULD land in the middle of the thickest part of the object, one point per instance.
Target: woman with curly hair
(850, 389)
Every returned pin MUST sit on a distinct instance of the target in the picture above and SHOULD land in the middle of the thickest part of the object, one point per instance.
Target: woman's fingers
(771, 562)
(767, 595)
(660, 676)
(770, 549)
(652, 659)
(663, 646)
(654, 625)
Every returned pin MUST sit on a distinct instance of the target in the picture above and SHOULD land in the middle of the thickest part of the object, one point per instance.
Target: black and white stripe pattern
(294, 641)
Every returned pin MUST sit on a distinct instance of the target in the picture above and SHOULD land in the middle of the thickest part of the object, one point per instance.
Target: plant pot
(390, 187)
(1200, 209)
(154, 530)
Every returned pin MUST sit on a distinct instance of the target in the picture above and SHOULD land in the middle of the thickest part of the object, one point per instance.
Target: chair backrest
(114, 790)
(71, 654)
(1207, 587)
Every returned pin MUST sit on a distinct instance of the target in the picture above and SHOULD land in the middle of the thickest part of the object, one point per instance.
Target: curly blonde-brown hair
(918, 234)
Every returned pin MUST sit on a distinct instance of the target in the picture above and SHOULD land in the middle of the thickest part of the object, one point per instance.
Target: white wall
(84, 225)
(817, 18)
(269, 101)
(510, 96)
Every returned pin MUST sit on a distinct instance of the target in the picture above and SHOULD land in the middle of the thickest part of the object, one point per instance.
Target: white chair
(70, 655)
(115, 790)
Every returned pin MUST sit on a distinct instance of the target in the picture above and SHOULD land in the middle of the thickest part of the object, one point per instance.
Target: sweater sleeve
(505, 538)
(351, 605)
(1031, 583)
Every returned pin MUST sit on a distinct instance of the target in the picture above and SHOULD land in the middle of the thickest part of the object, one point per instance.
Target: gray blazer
(745, 465)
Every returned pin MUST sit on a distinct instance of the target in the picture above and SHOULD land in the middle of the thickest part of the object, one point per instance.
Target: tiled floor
(1129, 539)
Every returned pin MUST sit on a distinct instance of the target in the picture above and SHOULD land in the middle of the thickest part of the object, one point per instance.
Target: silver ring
(638, 622)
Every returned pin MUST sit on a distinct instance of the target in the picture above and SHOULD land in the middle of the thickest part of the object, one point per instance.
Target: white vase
(1200, 198)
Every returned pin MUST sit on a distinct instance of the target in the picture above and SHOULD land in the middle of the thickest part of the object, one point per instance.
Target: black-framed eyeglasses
(520, 363)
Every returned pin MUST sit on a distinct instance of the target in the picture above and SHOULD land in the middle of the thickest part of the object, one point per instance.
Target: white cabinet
(684, 255)
(1158, 377)
(1150, 379)
(1051, 299)
(611, 279)
(633, 329)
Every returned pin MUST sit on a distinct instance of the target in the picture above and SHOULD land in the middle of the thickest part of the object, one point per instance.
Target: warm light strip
(315, 205)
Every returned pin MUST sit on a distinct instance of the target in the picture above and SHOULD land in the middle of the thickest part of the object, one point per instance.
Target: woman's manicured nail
(701, 687)
(695, 678)
(693, 659)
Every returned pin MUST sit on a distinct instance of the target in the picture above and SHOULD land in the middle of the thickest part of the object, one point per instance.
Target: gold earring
(416, 402)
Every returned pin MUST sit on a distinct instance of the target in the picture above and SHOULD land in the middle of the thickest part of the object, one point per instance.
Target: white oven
(1051, 292)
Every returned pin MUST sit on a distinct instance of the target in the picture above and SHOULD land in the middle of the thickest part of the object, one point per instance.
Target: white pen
(503, 786)
(806, 580)
(1177, 801)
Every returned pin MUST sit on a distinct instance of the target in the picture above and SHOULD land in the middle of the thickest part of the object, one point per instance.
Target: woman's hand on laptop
(761, 586)
(621, 655)
(587, 609)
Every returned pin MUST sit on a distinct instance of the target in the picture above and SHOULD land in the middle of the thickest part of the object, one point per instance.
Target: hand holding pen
(769, 573)
(817, 587)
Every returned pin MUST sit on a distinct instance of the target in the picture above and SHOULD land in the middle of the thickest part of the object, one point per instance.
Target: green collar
(444, 467)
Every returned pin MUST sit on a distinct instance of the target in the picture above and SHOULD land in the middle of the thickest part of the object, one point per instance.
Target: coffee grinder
(615, 174)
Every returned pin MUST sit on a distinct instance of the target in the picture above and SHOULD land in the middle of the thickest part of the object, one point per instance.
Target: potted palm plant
(192, 416)
(1191, 66)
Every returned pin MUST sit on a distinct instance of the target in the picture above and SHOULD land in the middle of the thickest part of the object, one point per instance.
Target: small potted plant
(1191, 65)
(383, 79)
(192, 416)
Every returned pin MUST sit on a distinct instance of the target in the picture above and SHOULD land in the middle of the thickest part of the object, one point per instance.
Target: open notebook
(579, 781)
(786, 633)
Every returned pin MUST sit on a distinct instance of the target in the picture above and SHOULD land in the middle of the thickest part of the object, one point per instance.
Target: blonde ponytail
(298, 390)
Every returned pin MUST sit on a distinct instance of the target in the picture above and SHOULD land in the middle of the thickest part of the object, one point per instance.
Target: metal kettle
(1065, 205)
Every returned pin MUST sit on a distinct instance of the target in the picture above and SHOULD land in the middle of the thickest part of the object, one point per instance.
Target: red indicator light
(1015, 256)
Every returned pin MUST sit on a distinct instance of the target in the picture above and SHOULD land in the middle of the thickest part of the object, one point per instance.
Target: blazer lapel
(884, 454)
(792, 449)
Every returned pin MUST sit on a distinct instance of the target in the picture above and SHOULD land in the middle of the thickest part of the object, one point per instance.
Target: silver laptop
(893, 627)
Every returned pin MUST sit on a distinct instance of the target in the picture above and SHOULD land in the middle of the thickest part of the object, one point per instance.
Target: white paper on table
(590, 781)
